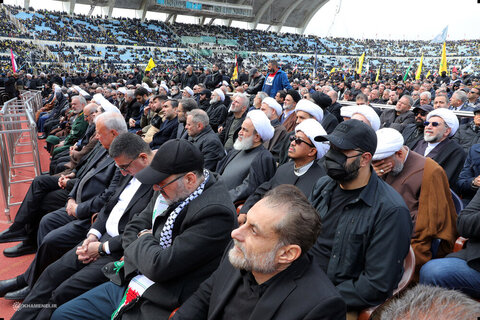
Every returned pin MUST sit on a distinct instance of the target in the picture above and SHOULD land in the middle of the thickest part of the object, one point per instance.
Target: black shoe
(13, 236)
(21, 249)
(9, 285)
(43, 136)
(19, 294)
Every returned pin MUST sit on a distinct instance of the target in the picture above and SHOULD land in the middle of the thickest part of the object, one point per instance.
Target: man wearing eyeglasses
(413, 132)
(79, 269)
(366, 226)
(171, 246)
(473, 97)
(303, 171)
(441, 125)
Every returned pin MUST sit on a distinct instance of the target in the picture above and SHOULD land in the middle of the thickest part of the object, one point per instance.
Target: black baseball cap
(352, 134)
(173, 157)
(424, 107)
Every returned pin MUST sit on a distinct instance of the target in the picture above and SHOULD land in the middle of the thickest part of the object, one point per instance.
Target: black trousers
(58, 232)
(62, 281)
(43, 196)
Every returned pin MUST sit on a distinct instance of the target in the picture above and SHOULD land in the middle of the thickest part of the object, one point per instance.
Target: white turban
(146, 86)
(272, 103)
(448, 116)
(106, 105)
(81, 91)
(368, 113)
(164, 86)
(389, 141)
(189, 91)
(262, 124)
(347, 111)
(311, 108)
(122, 90)
(312, 128)
(220, 93)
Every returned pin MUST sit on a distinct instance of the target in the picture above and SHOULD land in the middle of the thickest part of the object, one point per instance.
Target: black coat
(284, 299)
(217, 113)
(213, 81)
(449, 155)
(285, 175)
(468, 226)
(467, 135)
(200, 234)
(411, 135)
(168, 130)
(226, 128)
(211, 147)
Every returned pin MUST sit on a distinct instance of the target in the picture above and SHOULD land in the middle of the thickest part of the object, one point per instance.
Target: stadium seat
(408, 272)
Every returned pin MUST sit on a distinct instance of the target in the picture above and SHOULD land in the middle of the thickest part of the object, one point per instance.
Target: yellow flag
(443, 61)
(332, 71)
(150, 65)
(235, 70)
(235, 74)
(419, 69)
(378, 74)
(428, 74)
(360, 63)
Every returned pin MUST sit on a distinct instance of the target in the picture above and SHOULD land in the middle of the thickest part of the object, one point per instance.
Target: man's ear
(289, 253)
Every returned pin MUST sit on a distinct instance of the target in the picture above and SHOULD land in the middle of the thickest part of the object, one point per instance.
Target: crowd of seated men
(263, 198)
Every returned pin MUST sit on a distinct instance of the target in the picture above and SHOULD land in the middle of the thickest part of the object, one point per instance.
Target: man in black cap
(289, 118)
(171, 246)
(468, 133)
(366, 226)
(413, 132)
(204, 99)
(256, 81)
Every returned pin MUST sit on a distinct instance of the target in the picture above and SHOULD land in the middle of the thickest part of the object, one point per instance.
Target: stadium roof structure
(274, 13)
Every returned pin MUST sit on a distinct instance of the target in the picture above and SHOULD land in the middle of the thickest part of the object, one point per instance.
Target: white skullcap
(29, 75)
(312, 128)
(57, 88)
(262, 124)
(389, 141)
(448, 116)
(272, 103)
(164, 86)
(225, 83)
(106, 105)
(146, 86)
(189, 91)
(368, 113)
(81, 91)
(347, 111)
(122, 90)
(311, 108)
(220, 93)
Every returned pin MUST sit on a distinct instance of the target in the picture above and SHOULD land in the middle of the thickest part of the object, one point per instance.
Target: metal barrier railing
(18, 130)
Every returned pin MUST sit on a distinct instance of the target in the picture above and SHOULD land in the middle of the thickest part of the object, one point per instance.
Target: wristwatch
(474, 186)
(101, 251)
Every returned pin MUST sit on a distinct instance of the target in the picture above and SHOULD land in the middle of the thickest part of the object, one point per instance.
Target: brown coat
(291, 122)
(423, 185)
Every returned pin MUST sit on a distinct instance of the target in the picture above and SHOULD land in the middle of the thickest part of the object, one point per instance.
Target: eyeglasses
(299, 141)
(434, 123)
(161, 188)
(125, 168)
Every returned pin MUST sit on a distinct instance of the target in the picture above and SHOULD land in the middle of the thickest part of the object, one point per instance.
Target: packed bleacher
(345, 193)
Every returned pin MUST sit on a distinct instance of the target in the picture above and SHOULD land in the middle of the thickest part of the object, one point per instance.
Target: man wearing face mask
(366, 224)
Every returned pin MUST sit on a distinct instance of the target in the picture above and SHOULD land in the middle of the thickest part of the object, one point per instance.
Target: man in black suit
(267, 271)
(303, 171)
(167, 255)
(169, 126)
(62, 229)
(79, 269)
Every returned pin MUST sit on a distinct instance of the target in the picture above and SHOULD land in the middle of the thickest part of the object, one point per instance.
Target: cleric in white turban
(272, 103)
(389, 141)
(220, 94)
(311, 108)
(448, 116)
(312, 128)
(262, 124)
(366, 114)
